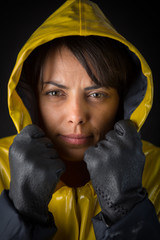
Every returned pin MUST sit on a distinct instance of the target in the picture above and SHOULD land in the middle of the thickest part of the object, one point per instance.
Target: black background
(139, 23)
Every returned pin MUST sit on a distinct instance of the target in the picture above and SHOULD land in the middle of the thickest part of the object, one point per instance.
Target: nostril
(78, 122)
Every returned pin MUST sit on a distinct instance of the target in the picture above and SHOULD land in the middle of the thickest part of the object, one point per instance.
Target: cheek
(105, 118)
(50, 118)
(101, 120)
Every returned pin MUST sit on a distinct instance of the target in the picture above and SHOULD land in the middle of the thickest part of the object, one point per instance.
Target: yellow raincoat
(73, 209)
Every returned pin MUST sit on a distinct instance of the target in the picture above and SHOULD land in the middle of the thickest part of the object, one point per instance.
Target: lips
(76, 139)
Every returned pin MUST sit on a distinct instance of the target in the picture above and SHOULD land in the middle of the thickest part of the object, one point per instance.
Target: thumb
(125, 128)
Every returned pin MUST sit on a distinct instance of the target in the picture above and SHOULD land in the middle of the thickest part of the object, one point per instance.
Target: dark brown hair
(108, 62)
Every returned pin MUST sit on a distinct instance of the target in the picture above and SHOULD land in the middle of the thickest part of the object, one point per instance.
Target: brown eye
(98, 95)
(56, 93)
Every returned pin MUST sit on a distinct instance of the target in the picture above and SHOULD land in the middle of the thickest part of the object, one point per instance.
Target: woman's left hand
(116, 165)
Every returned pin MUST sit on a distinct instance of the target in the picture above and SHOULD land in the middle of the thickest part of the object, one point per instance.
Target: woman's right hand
(116, 166)
(35, 171)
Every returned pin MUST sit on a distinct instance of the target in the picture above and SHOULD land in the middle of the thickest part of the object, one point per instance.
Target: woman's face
(75, 112)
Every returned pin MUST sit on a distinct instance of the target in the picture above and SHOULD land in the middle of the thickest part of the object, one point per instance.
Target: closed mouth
(76, 139)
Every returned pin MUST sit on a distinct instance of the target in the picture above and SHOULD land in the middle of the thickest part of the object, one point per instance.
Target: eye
(55, 93)
(98, 95)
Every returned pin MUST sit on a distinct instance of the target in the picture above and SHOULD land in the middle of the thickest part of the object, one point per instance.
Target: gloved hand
(35, 171)
(116, 166)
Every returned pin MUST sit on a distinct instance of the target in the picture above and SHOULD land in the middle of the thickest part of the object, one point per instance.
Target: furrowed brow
(92, 87)
(55, 84)
(65, 87)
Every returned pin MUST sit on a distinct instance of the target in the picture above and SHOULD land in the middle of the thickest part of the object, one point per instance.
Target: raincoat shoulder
(64, 198)
(5, 144)
(74, 209)
(151, 174)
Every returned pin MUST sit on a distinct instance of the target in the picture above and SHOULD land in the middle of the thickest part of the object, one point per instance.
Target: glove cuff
(43, 217)
(113, 212)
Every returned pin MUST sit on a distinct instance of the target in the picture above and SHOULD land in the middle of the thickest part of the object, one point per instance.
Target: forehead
(61, 65)
(62, 59)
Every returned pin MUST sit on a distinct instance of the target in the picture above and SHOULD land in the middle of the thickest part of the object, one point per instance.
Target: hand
(35, 171)
(116, 166)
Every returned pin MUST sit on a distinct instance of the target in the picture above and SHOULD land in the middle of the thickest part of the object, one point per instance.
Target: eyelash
(100, 95)
(60, 93)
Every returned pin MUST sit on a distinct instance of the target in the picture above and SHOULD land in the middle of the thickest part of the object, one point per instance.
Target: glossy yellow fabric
(73, 209)
(75, 17)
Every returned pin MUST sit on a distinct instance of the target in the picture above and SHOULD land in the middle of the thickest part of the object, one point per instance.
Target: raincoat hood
(82, 18)
(72, 208)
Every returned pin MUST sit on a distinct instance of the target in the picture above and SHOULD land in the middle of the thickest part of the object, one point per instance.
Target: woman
(78, 158)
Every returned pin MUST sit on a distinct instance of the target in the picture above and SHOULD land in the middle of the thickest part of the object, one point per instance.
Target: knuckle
(32, 131)
(88, 153)
(92, 159)
(125, 128)
(118, 128)
(109, 136)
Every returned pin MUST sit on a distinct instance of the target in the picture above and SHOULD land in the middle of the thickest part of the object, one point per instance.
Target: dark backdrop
(139, 23)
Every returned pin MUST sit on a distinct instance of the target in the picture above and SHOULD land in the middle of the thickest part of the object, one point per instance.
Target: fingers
(125, 128)
(90, 158)
(46, 146)
(33, 131)
(124, 134)
(60, 168)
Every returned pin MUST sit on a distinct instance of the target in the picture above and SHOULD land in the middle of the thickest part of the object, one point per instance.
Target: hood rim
(20, 114)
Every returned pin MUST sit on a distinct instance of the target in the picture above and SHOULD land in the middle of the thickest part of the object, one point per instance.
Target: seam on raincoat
(80, 17)
(82, 23)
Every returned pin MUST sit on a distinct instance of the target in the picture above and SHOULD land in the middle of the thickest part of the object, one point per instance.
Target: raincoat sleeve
(141, 223)
(14, 226)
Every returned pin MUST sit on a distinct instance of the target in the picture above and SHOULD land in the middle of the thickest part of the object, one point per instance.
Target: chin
(73, 155)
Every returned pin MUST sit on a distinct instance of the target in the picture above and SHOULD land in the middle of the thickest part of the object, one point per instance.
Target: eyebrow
(92, 87)
(56, 84)
(65, 87)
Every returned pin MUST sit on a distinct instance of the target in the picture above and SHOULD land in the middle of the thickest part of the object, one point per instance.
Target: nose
(78, 113)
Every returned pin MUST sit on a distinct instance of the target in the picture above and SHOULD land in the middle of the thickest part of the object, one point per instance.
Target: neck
(76, 174)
